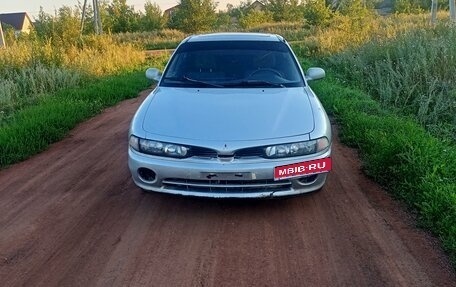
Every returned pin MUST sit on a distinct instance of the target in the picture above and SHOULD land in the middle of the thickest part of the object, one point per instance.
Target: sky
(32, 7)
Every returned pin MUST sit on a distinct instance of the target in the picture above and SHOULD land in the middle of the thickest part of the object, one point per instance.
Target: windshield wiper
(253, 83)
(190, 80)
(194, 82)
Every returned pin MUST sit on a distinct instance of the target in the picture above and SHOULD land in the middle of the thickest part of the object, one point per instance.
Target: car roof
(235, 37)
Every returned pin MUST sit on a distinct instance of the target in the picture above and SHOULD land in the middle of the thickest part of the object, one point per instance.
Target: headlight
(297, 149)
(158, 148)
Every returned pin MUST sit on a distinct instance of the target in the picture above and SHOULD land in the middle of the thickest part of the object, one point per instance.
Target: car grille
(202, 152)
(248, 152)
(227, 186)
(241, 153)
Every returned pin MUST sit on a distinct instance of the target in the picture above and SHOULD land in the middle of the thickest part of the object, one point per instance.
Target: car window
(232, 65)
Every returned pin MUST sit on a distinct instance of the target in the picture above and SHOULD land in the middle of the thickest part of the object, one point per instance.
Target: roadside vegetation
(391, 83)
(414, 74)
(31, 68)
(392, 90)
(34, 127)
(399, 154)
(152, 40)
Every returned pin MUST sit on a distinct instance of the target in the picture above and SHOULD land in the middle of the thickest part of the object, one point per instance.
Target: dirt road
(71, 216)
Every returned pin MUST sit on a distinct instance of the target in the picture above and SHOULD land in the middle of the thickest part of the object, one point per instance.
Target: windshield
(236, 64)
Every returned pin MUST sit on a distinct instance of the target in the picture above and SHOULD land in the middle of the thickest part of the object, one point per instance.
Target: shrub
(255, 18)
(317, 13)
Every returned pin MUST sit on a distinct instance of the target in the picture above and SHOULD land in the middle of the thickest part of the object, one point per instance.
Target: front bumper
(215, 178)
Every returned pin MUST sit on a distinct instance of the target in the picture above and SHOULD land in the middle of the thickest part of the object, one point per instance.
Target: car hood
(229, 114)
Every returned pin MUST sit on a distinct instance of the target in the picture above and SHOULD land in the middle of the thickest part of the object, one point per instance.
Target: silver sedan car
(232, 116)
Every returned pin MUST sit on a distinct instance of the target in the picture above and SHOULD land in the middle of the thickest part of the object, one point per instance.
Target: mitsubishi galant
(231, 116)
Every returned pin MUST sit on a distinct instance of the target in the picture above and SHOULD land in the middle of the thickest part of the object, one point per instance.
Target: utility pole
(434, 11)
(2, 39)
(96, 17)
(83, 15)
(452, 11)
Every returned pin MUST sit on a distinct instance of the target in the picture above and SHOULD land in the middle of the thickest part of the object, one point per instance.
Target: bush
(255, 18)
(317, 13)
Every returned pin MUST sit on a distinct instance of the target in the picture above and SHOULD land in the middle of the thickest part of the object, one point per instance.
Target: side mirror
(153, 74)
(315, 74)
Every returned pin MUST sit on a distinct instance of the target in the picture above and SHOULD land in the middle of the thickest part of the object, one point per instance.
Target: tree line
(192, 16)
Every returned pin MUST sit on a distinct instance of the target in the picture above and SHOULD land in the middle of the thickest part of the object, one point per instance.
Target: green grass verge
(399, 154)
(33, 128)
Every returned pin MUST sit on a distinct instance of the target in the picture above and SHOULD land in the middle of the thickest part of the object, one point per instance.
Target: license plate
(302, 168)
(227, 175)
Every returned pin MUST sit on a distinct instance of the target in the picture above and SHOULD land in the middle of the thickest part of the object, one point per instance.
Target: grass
(403, 96)
(402, 70)
(23, 87)
(92, 55)
(154, 40)
(399, 154)
(31, 68)
(47, 89)
(48, 118)
(291, 31)
(341, 35)
(33, 128)
(414, 73)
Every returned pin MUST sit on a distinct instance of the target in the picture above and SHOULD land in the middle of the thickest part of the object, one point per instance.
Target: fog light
(146, 174)
(308, 179)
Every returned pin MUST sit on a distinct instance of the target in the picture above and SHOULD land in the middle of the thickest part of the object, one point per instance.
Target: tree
(63, 28)
(237, 12)
(152, 18)
(414, 6)
(194, 16)
(285, 10)
(317, 13)
(67, 26)
(356, 9)
(254, 18)
(121, 17)
(44, 25)
(223, 20)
